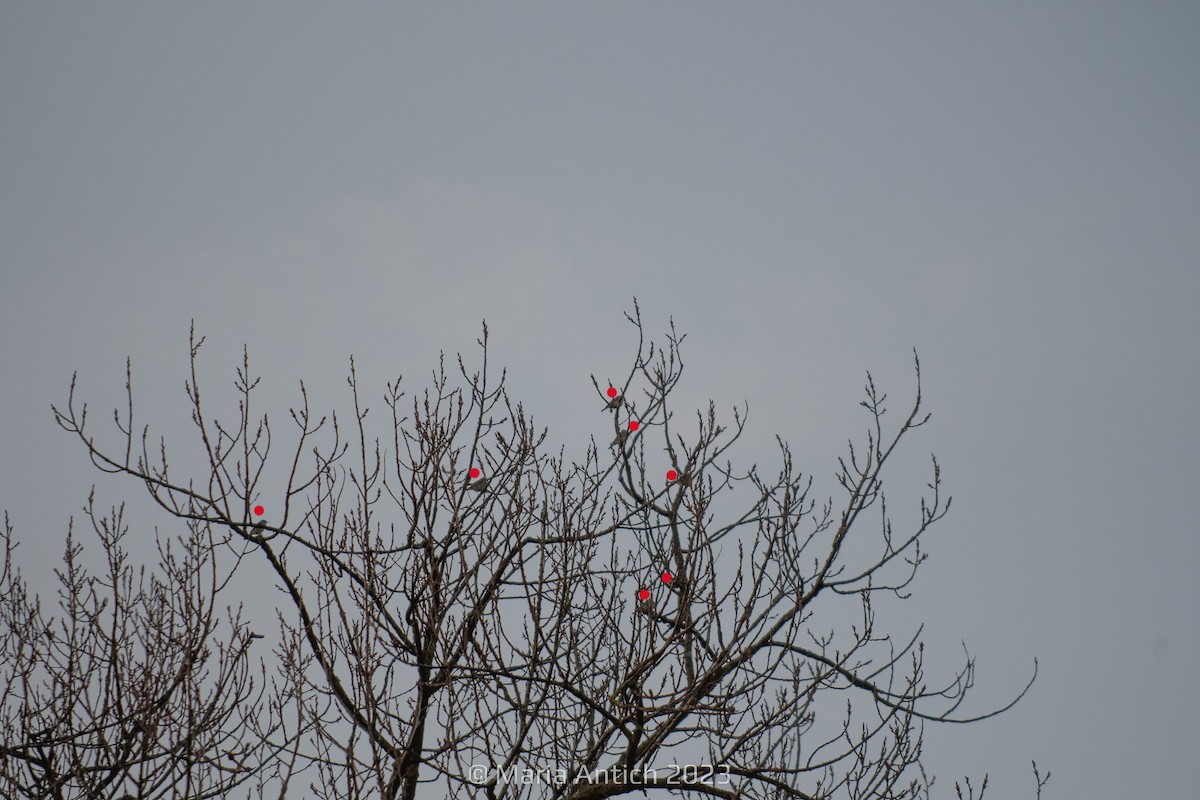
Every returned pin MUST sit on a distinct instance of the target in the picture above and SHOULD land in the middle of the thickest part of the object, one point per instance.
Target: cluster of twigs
(463, 614)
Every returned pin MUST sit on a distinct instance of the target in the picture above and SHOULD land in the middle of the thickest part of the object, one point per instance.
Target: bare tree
(463, 613)
(136, 687)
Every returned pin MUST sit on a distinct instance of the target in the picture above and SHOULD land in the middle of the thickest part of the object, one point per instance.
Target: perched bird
(478, 485)
(620, 440)
(252, 636)
(260, 530)
(685, 479)
(616, 402)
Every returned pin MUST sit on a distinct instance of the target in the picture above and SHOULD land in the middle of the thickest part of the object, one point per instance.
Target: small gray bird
(260, 530)
(620, 440)
(616, 402)
(478, 485)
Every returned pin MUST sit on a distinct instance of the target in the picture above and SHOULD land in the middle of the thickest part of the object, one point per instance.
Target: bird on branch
(259, 533)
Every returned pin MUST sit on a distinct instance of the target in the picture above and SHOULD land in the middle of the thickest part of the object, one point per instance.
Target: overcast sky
(809, 190)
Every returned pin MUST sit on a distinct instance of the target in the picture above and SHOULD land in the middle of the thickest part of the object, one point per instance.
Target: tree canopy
(459, 611)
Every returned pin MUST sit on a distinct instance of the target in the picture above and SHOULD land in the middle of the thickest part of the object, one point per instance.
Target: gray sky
(810, 190)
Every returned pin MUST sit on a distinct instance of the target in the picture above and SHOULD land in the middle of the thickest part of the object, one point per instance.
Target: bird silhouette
(620, 440)
(616, 402)
(479, 485)
(260, 530)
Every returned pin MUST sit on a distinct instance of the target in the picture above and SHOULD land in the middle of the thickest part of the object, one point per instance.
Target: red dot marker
(672, 474)
(474, 472)
(633, 424)
(259, 511)
(612, 391)
(666, 577)
(643, 594)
